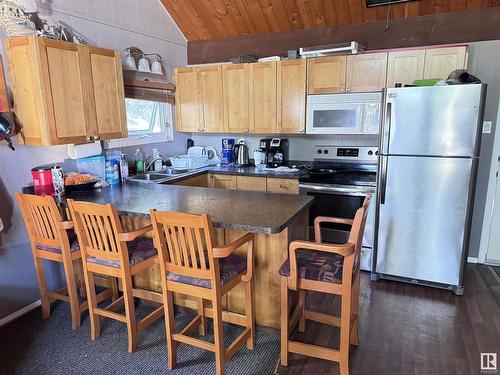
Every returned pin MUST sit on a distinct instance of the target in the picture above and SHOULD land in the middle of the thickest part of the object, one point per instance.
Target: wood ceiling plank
(244, 27)
(358, 12)
(426, 7)
(382, 12)
(317, 13)
(211, 18)
(225, 19)
(457, 5)
(441, 6)
(241, 6)
(413, 9)
(398, 10)
(187, 16)
(305, 13)
(293, 14)
(341, 10)
(280, 14)
(258, 17)
(268, 12)
(474, 4)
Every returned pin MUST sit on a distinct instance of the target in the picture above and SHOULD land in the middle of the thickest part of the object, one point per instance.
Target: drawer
(198, 181)
(222, 181)
(282, 185)
(246, 183)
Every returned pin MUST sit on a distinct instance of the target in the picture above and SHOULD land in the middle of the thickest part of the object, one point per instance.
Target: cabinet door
(26, 89)
(405, 67)
(187, 114)
(291, 95)
(67, 91)
(109, 97)
(209, 83)
(248, 183)
(366, 72)
(236, 98)
(221, 181)
(326, 75)
(440, 62)
(263, 98)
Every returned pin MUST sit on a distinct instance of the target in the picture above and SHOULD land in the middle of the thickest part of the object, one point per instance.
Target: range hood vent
(331, 49)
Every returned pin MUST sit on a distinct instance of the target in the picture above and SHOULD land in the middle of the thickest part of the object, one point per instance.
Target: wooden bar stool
(52, 238)
(108, 250)
(191, 265)
(326, 268)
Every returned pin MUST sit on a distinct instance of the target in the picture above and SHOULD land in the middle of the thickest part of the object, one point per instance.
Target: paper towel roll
(84, 150)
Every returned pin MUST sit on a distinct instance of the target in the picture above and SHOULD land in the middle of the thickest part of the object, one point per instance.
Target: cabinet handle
(283, 186)
(301, 131)
(211, 176)
(96, 137)
(90, 138)
(342, 89)
(348, 89)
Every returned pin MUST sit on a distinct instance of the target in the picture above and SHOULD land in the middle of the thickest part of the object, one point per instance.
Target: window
(147, 122)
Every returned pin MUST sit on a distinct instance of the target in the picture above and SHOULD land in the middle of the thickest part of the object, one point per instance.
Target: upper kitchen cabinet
(366, 72)
(186, 100)
(263, 102)
(440, 62)
(405, 67)
(235, 79)
(326, 75)
(291, 84)
(108, 91)
(65, 93)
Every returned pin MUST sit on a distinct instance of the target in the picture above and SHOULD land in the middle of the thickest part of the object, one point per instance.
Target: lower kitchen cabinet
(282, 185)
(197, 181)
(247, 183)
(222, 181)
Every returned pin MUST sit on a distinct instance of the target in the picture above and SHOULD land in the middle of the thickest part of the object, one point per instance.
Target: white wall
(115, 24)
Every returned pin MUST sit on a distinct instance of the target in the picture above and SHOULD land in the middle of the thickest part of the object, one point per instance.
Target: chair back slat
(185, 243)
(97, 227)
(41, 216)
(358, 228)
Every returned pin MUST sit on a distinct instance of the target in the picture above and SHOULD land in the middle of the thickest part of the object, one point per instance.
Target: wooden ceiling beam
(473, 25)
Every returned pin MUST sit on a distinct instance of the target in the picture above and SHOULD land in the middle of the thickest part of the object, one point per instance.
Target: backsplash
(300, 146)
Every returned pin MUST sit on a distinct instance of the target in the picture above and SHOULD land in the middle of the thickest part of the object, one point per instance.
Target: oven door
(340, 201)
(334, 118)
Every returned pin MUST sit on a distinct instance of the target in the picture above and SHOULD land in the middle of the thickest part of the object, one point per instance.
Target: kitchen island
(276, 219)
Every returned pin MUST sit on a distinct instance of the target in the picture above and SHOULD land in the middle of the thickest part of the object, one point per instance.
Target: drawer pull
(283, 186)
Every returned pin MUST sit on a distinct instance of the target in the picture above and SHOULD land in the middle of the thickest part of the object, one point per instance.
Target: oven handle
(304, 189)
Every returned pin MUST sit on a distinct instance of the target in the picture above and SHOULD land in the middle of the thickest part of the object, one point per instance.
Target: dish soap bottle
(139, 161)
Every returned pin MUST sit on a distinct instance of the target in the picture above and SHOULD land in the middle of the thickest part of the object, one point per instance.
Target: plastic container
(158, 164)
(94, 165)
(112, 168)
(139, 161)
(189, 162)
(42, 180)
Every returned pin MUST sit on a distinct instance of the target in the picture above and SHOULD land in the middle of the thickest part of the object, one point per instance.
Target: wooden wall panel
(216, 19)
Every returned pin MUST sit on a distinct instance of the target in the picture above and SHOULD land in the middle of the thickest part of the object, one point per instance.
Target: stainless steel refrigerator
(429, 150)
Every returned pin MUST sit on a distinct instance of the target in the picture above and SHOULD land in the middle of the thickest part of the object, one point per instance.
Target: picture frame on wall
(376, 3)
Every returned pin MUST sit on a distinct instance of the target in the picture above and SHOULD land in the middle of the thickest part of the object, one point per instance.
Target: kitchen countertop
(254, 212)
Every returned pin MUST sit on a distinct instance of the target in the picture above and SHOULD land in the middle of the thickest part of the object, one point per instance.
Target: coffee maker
(277, 156)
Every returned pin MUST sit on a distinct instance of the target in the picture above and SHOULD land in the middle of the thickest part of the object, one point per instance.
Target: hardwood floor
(408, 329)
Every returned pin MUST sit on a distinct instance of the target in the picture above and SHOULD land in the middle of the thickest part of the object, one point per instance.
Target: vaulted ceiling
(216, 19)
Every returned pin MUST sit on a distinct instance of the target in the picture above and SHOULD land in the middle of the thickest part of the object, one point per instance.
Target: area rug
(491, 277)
(30, 345)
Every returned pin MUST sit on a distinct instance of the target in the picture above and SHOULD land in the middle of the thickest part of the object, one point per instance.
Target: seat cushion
(139, 250)
(75, 246)
(229, 268)
(317, 266)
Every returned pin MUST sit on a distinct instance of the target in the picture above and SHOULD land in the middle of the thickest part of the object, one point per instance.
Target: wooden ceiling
(216, 19)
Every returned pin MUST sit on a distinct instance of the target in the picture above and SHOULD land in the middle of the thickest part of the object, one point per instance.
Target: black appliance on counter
(277, 154)
(339, 180)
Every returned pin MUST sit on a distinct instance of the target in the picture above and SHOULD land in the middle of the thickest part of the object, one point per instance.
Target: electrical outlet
(487, 126)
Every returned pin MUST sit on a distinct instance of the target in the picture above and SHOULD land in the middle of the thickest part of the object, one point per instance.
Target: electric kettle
(240, 153)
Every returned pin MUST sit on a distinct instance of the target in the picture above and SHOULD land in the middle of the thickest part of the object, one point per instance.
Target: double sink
(158, 177)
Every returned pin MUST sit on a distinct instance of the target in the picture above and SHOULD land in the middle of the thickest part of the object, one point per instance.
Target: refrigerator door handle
(386, 127)
(383, 178)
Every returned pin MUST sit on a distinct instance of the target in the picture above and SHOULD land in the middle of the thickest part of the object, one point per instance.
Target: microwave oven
(344, 113)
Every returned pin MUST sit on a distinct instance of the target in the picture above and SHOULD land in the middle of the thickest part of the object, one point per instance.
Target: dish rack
(189, 161)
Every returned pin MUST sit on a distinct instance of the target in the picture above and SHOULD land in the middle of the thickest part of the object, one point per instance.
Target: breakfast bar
(276, 220)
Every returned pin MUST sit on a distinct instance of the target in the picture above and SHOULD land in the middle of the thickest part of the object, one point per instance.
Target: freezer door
(422, 212)
(433, 121)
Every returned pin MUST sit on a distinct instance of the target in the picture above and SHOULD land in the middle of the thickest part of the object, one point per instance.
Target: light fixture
(351, 47)
(144, 65)
(128, 61)
(156, 65)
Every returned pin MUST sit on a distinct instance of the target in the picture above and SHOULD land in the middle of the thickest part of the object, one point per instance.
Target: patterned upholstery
(75, 246)
(229, 268)
(317, 266)
(139, 250)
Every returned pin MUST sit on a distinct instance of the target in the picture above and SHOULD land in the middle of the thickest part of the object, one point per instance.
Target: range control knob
(319, 152)
(376, 152)
(325, 152)
(370, 152)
